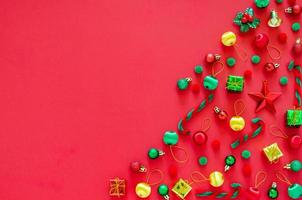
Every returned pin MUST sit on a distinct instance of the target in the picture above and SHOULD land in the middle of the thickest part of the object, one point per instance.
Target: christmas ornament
(262, 41)
(198, 69)
(245, 154)
(200, 137)
(237, 123)
(154, 153)
(163, 190)
(170, 138)
(230, 160)
(183, 83)
(262, 3)
(203, 160)
(294, 118)
(265, 98)
(221, 114)
(246, 137)
(182, 188)
(143, 189)
(294, 165)
(260, 179)
(294, 141)
(246, 20)
(275, 20)
(273, 152)
(255, 59)
(294, 191)
(211, 58)
(216, 179)
(192, 113)
(210, 82)
(235, 83)
(231, 61)
(283, 80)
(136, 166)
(229, 39)
(233, 195)
(272, 192)
(269, 67)
(117, 187)
(295, 10)
(297, 48)
(296, 26)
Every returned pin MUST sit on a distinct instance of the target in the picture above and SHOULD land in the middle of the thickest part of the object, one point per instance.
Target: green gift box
(294, 118)
(235, 83)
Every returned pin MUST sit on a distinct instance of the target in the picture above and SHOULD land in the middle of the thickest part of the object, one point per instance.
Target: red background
(88, 86)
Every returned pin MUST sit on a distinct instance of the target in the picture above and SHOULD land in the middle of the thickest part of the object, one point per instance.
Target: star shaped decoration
(265, 98)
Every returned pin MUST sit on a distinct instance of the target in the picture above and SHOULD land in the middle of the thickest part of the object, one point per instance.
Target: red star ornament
(265, 98)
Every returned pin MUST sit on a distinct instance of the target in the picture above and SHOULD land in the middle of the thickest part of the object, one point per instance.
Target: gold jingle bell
(216, 179)
(275, 20)
(143, 190)
(237, 123)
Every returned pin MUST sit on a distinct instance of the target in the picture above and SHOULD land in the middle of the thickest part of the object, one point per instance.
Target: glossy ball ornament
(297, 9)
(136, 166)
(200, 138)
(143, 190)
(237, 123)
(294, 191)
(211, 58)
(297, 48)
(261, 40)
(295, 141)
(210, 83)
(294, 165)
(269, 67)
(163, 190)
(228, 39)
(170, 138)
(183, 83)
(230, 160)
(273, 192)
(154, 153)
(223, 115)
(216, 179)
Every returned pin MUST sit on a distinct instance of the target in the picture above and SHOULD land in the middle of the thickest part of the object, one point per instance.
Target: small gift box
(273, 152)
(294, 118)
(181, 188)
(117, 187)
(235, 83)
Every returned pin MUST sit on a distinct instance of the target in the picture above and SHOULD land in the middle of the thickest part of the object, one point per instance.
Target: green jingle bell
(210, 83)
(273, 192)
(294, 191)
(163, 190)
(170, 138)
(155, 153)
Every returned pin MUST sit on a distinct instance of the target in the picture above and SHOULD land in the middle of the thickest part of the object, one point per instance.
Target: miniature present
(235, 83)
(117, 187)
(294, 118)
(273, 152)
(181, 188)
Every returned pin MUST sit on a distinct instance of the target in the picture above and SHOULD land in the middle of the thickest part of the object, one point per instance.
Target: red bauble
(282, 37)
(246, 170)
(172, 170)
(261, 41)
(297, 9)
(247, 73)
(295, 141)
(135, 166)
(216, 144)
(195, 88)
(200, 138)
(210, 58)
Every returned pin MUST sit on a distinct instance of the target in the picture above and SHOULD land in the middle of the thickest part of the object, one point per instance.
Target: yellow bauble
(228, 38)
(216, 179)
(237, 123)
(143, 190)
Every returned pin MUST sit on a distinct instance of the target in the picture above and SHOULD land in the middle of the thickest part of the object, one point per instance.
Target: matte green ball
(296, 165)
(255, 59)
(163, 189)
(273, 193)
(261, 3)
(283, 80)
(231, 61)
(279, 1)
(203, 160)
(170, 138)
(198, 69)
(246, 154)
(294, 191)
(296, 26)
(153, 153)
(182, 84)
(210, 83)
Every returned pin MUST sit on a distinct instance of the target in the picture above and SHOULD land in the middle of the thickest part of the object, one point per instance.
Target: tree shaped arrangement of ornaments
(266, 99)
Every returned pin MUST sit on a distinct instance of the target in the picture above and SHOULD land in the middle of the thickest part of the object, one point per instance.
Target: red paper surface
(89, 85)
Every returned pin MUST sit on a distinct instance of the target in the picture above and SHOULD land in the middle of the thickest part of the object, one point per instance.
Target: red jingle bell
(261, 40)
(271, 66)
(137, 167)
(200, 138)
(211, 58)
(295, 141)
(298, 46)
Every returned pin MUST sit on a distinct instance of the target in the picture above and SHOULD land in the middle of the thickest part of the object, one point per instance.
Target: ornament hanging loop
(239, 107)
(271, 48)
(186, 156)
(214, 74)
(206, 124)
(161, 176)
(276, 131)
(260, 178)
(196, 179)
(283, 178)
(241, 52)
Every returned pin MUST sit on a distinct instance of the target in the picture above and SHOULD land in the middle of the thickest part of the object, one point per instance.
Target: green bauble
(296, 165)
(294, 191)
(273, 193)
(210, 83)
(163, 190)
(261, 3)
(183, 83)
(170, 138)
(153, 153)
(230, 160)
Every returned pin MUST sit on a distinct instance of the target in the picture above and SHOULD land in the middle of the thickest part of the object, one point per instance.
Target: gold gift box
(273, 152)
(181, 188)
